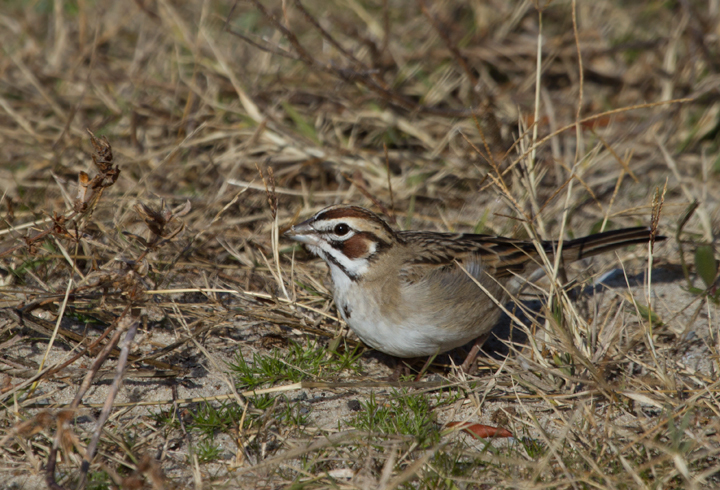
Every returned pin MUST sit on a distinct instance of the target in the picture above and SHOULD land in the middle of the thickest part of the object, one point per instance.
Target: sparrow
(404, 293)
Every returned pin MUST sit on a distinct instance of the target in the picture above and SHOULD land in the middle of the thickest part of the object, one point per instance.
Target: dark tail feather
(598, 243)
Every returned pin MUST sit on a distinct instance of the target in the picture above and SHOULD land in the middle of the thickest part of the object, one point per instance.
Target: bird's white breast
(410, 334)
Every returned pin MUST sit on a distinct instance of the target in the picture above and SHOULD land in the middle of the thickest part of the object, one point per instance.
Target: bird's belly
(408, 340)
(402, 335)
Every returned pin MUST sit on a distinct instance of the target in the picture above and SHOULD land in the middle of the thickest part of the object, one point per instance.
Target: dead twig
(107, 407)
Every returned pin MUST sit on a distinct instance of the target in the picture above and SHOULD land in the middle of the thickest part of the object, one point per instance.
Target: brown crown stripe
(347, 212)
(352, 212)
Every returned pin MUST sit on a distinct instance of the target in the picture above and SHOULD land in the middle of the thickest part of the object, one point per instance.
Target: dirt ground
(157, 332)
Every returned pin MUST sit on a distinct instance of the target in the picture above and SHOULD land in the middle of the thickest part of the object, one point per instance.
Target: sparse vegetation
(157, 332)
(297, 362)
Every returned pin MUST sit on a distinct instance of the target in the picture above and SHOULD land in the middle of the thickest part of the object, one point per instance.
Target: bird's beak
(303, 232)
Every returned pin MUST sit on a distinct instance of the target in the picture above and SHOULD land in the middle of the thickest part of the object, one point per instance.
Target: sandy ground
(329, 409)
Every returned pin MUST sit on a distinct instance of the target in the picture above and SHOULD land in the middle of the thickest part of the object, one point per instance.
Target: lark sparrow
(403, 293)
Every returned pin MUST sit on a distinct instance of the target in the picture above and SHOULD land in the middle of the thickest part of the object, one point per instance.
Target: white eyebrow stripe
(330, 224)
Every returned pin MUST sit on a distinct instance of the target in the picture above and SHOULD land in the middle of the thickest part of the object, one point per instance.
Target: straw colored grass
(156, 331)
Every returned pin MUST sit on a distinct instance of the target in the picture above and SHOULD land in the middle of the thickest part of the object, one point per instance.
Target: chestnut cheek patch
(355, 247)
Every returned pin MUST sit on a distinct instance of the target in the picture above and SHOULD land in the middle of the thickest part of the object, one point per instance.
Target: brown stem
(107, 407)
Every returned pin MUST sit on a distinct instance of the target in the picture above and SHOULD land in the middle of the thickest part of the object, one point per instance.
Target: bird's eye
(341, 229)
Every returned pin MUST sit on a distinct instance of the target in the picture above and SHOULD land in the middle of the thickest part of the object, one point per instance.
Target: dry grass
(156, 332)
